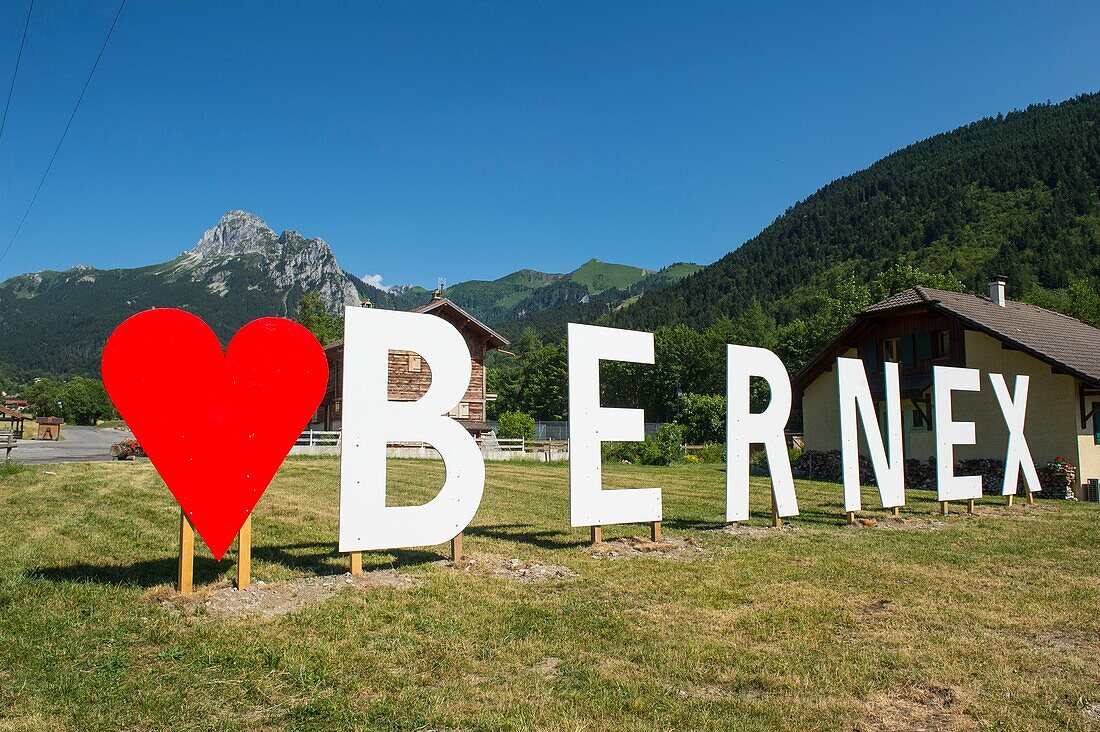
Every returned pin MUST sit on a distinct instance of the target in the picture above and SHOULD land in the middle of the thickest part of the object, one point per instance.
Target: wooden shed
(49, 428)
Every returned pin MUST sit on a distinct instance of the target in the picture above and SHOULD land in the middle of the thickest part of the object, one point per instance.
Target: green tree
(1080, 300)
(85, 401)
(534, 382)
(45, 397)
(514, 425)
(703, 417)
(319, 321)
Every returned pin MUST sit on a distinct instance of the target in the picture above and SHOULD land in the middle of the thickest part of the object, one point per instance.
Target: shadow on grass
(154, 572)
(527, 534)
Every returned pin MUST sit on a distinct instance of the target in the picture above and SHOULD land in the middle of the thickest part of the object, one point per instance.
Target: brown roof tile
(1061, 341)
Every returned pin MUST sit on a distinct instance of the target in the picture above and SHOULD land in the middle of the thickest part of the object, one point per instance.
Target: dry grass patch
(919, 709)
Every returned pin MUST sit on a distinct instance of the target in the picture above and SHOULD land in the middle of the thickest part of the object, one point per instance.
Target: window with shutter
(906, 356)
(1096, 424)
(924, 346)
(870, 356)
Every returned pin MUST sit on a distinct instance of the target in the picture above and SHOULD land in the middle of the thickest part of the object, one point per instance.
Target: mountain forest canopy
(1015, 195)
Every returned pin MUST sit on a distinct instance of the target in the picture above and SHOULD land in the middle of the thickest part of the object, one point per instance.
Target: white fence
(318, 438)
(318, 442)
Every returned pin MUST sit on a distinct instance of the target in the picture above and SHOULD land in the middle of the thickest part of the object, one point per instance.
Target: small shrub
(664, 449)
(670, 443)
(714, 452)
(692, 459)
(512, 425)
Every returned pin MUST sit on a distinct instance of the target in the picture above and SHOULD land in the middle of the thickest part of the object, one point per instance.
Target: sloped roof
(493, 339)
(1063, 342)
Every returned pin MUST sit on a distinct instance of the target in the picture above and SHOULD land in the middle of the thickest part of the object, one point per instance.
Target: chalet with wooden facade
(922, 327)
(409, 375)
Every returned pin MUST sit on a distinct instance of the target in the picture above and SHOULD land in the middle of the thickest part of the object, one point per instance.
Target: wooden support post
(244, 555)
(356, 563)
(456, 548)
(943, 508)
(1030, 497)
(1008, 500)
(897, 512)
(655, 531)
(186, 576)
(777, 522)
(851, 517)
(597, 534)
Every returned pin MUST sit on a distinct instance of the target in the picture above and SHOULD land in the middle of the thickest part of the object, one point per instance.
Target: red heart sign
(215, 426)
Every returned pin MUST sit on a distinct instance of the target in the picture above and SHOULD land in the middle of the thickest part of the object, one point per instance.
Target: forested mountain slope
(1015, 195)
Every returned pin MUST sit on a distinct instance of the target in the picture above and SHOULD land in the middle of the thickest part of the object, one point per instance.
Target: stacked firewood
(822, 465)
(1057, 478)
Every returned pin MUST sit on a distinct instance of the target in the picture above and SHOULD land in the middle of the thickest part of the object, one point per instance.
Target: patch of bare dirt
(519, 570)
(637, 546)
(756, 532)
(874, 607)
(547, 668)
(920, 709)
(1020, 509)
(907, 524)
(1069, 641)
(272, 600)
(1091, 712)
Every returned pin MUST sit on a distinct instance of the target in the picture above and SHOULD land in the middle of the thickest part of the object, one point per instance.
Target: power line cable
(57, 149)
(15, 73)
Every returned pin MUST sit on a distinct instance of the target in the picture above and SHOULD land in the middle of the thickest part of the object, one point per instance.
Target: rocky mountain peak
(289, 263)
(238, 232)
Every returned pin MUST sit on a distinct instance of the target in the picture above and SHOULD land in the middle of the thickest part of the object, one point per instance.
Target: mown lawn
(990, 622)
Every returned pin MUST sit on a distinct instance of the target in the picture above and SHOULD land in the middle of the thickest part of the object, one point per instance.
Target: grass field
(991, 622)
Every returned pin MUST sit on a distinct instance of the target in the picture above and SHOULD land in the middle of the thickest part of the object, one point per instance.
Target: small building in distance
(922, 327)
(409, 375)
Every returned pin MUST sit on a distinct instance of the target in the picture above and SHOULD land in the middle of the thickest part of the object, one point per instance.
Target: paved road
(81, 445)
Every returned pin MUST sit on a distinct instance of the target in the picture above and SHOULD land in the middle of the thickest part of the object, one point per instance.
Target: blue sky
(466, 140)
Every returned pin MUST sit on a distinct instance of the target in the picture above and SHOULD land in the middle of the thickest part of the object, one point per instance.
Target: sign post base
(186, 575)
(244, 555)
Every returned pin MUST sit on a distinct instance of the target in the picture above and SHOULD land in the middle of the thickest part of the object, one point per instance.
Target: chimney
(437, 294)
(997, 289)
